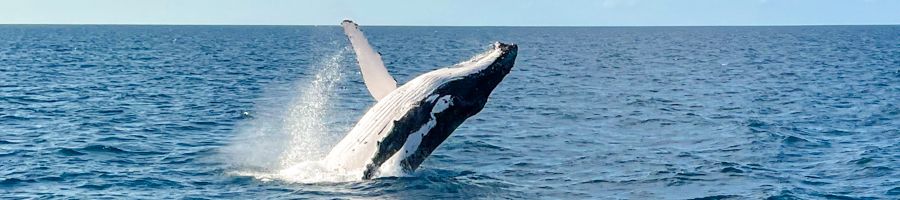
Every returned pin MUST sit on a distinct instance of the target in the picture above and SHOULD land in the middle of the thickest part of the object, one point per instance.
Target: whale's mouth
(499, 59)
(505, 47)
(496, 51)
(508, 54)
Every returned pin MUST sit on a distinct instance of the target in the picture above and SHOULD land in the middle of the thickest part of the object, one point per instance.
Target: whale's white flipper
(376, 76)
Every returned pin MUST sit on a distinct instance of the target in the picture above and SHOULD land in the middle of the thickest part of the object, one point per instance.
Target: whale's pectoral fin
(376, 76)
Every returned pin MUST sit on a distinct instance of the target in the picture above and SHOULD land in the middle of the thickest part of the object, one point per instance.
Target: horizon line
(396, 25)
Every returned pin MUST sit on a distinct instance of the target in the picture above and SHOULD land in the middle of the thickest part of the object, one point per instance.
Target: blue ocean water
(212, 112)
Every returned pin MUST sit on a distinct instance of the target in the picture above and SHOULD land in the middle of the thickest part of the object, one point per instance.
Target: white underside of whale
(392, 165)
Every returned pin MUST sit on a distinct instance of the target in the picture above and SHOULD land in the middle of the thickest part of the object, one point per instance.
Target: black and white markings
(410, 122)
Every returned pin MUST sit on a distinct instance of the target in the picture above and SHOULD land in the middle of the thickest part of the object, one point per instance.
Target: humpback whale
(407, 123)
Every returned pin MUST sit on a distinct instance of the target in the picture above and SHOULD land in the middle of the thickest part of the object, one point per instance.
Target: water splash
(304, 120)
(287, 137)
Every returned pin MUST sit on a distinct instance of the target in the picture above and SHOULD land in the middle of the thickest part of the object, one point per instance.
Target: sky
(455, 12)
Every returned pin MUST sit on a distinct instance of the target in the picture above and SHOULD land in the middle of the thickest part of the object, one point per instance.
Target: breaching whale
(408, 122)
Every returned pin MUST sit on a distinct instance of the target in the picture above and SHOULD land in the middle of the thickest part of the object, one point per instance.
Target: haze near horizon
(456, 13)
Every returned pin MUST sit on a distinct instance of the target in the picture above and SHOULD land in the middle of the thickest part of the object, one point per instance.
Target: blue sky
(454, 12)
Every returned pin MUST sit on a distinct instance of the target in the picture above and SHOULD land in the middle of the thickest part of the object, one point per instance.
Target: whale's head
(473, 81)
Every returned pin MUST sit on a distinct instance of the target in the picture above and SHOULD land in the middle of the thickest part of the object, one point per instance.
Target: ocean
(238, 112)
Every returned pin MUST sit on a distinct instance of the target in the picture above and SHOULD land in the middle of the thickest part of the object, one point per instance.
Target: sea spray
(287, 135)
(304, 120)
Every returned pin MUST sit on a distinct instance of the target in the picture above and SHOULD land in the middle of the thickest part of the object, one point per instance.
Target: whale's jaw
(404, 127)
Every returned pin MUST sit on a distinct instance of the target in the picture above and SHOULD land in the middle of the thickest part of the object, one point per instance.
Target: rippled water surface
(606, 113)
